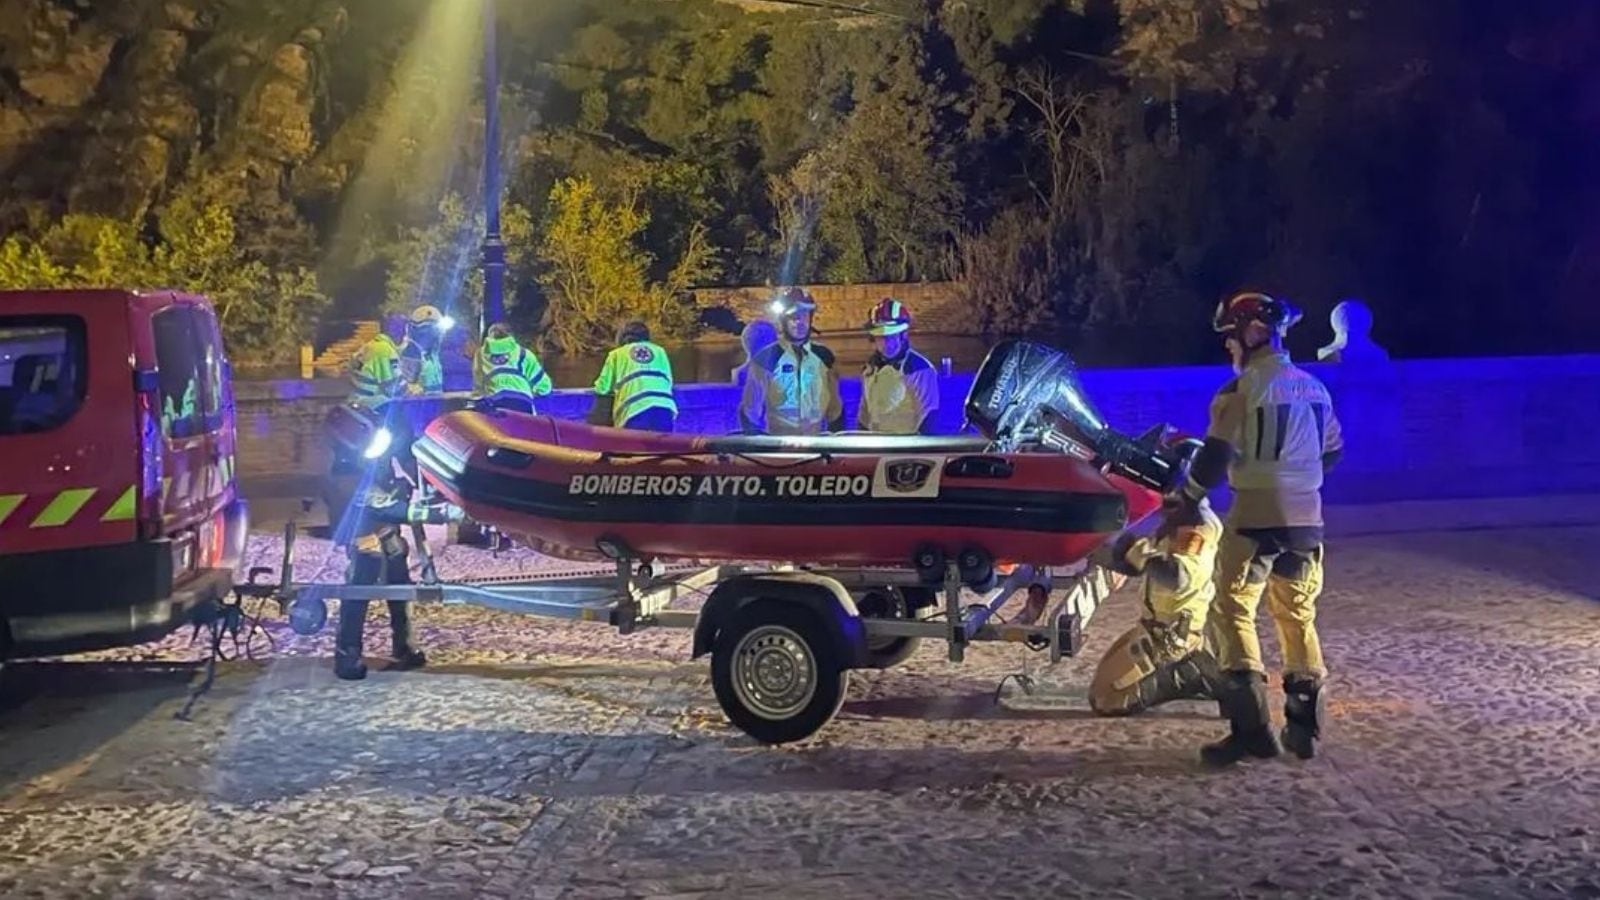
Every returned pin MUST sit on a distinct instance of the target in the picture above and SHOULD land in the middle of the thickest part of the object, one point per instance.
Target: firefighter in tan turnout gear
(1165, 656)
(899, 386)
(1273, 432)
(791, 387)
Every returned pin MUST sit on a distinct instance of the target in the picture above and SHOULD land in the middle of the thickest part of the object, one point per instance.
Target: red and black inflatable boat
(844, 500)
(1044, 482)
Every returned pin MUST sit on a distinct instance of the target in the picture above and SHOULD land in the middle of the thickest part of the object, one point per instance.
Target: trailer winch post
(955, 631)
(626, 615)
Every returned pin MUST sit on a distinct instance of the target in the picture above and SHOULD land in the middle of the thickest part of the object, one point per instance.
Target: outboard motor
(1027, 393)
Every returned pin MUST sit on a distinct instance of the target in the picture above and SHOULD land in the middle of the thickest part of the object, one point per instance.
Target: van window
(43, 371)
(211, 366)
(178, 357)
(190, 359)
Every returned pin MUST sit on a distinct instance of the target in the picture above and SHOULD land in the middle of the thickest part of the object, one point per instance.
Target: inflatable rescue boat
(1044, 482)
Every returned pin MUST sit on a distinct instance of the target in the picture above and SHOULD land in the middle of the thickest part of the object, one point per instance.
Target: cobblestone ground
(534, 759)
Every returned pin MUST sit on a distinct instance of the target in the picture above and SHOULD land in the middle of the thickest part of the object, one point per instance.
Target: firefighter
(792, 387)
(899, 387)
(375, 371)
(509, 373)
(421, 368)
(379, 501)
(1165, 656)
(634, 389)
(1274, 434)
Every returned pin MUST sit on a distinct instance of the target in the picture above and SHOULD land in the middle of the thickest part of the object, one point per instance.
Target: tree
(438, 263)
(265, 313)
(798, 196)
(596, 275)
(882, 192)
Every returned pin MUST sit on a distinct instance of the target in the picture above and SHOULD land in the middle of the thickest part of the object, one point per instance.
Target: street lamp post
(494, 250)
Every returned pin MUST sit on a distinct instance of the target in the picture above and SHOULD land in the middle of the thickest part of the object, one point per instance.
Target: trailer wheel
(776, 672)
(888, 603)
(307, 615)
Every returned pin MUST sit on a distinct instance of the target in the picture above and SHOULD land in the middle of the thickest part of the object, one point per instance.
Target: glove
(1178, 509)
(1114, 556)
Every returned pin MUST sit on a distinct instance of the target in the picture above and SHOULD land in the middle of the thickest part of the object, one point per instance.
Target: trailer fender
(823, 596)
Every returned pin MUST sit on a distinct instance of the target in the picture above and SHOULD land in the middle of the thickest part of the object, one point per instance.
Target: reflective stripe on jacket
(638, 376)
(898, 396)
(1280, 420)
(421, 370)
(792, 389)
(375, 371)
(520, 374)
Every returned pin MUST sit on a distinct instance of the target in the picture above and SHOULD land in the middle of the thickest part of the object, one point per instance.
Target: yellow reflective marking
(61, 509)
(166, 488)
(9, 504)
(123, 509)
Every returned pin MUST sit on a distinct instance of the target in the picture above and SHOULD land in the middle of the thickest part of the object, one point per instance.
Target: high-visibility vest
(375, 371)
(514, 371)
(422, 370)
(791, 389)
(638, 377)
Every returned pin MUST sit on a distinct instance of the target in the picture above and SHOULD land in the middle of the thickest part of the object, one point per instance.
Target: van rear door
(68, 444)
(196, 412)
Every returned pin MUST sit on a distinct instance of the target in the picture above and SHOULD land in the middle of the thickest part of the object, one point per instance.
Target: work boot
(408, 658)
(1305, 706)
(1244, 701)
(349, 668)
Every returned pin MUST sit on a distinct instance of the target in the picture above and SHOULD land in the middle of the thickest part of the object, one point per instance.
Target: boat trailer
(782, 638)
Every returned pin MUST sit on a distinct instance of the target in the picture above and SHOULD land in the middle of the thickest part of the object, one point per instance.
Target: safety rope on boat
(610, 455)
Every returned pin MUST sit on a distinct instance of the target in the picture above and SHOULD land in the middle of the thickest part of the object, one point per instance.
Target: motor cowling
(1026, 393)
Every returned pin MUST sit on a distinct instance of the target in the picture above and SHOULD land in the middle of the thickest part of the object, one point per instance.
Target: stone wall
(1421, 429)
(936, 306)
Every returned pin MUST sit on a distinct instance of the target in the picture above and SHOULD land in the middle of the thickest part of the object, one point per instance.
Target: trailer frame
(782, 637)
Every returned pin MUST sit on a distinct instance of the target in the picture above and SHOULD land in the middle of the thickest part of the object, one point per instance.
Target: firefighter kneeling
(1164, 657)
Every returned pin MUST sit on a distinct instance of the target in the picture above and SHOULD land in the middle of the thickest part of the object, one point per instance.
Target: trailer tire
(889, 603)
(776, 672)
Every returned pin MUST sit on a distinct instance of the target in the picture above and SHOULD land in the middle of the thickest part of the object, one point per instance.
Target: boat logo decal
(906, 476)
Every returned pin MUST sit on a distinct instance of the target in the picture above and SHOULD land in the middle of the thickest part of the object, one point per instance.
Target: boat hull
(584, 491)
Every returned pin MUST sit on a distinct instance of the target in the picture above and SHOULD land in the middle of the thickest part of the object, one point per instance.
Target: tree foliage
(597, 275)
(1111, 161)
(440, 262)
(265, 313)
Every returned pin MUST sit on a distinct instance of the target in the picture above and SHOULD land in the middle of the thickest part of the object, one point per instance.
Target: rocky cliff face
(110, 107)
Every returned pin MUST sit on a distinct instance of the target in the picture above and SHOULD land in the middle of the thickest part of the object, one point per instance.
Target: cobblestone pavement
(537, 759)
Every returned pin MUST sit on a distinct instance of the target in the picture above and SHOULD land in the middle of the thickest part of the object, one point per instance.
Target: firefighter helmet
(1242, 309)
(792, 300)
(890, 316)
